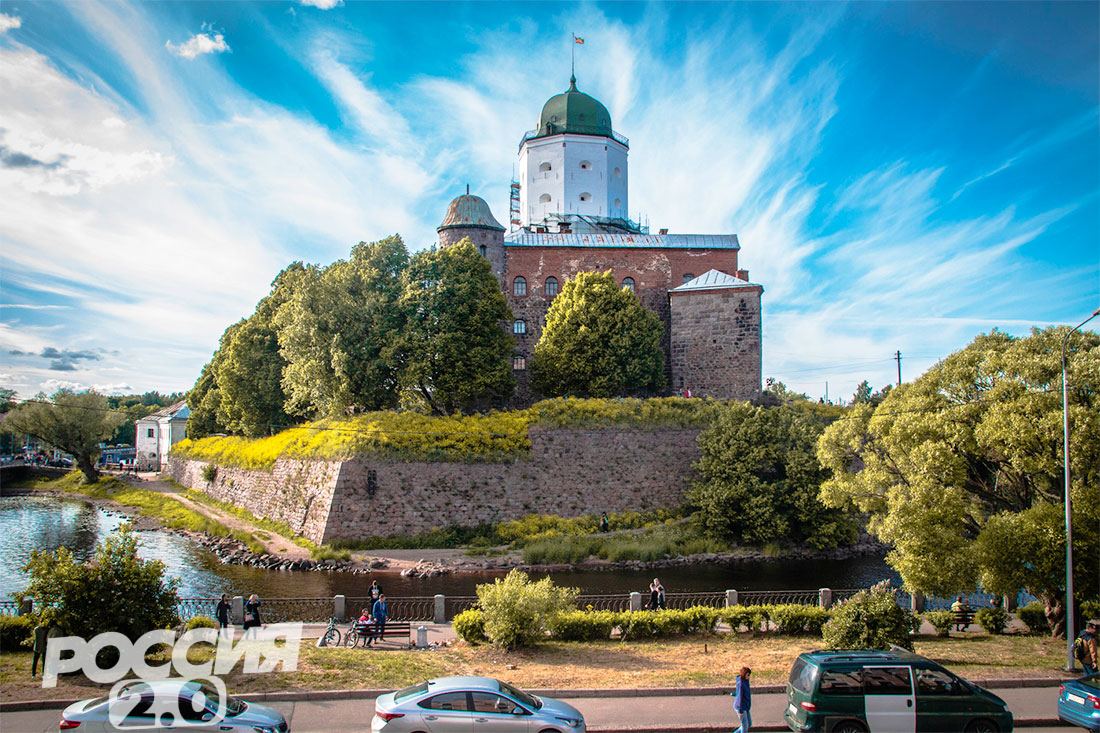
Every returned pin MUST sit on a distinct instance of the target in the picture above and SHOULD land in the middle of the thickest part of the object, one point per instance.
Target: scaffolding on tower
(513, 204)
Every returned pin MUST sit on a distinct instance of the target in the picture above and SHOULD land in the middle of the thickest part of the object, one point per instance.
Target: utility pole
(897, 358)
(826, 391)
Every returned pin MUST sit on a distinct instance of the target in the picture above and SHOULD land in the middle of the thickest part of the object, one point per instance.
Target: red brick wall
(655, 272)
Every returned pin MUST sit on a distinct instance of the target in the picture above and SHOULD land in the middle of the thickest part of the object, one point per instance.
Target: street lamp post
(1070, 662)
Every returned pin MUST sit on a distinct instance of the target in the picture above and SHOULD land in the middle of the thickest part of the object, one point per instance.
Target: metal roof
(714, 280)
(469, 212)
(179, 410)
(625, 241)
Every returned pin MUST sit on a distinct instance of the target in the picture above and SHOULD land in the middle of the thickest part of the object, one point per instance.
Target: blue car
(1079, 702)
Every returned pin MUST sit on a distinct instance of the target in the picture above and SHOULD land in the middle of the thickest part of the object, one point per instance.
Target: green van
(873, 692)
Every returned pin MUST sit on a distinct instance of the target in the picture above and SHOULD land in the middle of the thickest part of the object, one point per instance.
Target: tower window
(586, 196)
(544, 167)
(618, 203)
(551, 286)
(519, 286)
(585, 165)
(483, 250)
(544, 199)
(628, 283)
(519, 327)
(688, 277)
(618, 172)
(519, 363)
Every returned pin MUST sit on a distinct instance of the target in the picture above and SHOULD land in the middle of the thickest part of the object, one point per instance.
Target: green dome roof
(574, 112)
(469, 211)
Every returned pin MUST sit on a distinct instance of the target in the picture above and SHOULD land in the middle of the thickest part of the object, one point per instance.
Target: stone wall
(570, 472)
(716, 342)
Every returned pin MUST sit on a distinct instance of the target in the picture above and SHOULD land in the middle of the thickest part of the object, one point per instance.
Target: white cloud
(9, 22)
(52, 385)
(322, 4)
(198, 45)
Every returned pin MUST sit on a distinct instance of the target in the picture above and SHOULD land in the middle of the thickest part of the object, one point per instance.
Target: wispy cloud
(322, 4)
(199, 44)
(9, 22)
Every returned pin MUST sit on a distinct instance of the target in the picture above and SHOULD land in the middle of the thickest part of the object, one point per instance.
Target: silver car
(174, 704)
(472, 705)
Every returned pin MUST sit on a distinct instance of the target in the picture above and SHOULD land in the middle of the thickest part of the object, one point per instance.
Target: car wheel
(849, 726)
(982, 726)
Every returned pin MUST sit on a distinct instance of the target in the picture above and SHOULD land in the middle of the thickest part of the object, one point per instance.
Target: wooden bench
(963, 618)
(396, 627)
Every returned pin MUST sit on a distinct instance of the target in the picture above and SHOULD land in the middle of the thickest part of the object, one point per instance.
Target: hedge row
(787, 619)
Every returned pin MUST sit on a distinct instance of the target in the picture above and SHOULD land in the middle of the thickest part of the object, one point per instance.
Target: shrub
(994, 620)
(1034, 616)
(200, 622)
(871, 619)
(14, 630)
(795, 619)
(1090, 609)
(470, 626)
(209, 473)
(327, 552)
(941, 621)
(584, 625)
(751, 618)
(114, 591)
(519, 612)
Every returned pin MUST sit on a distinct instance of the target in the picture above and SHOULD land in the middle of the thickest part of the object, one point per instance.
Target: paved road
(666, 713)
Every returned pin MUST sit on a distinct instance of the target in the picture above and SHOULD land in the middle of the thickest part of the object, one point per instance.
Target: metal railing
(188, 608)
(605, 602)
(279, 610)
(400, 608)
(455, 605)
(9, 608)
(770, 597)
(687, 600)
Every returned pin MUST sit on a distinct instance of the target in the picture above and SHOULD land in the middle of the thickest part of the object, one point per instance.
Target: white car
(472, 705)
(174, 704)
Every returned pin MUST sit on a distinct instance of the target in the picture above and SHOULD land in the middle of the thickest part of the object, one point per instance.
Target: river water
(46, 523)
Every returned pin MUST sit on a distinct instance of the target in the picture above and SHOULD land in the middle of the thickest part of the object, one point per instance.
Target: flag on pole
(578, 40)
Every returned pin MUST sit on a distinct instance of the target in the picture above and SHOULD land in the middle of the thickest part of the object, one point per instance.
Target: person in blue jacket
(742, 700)
(379, 612)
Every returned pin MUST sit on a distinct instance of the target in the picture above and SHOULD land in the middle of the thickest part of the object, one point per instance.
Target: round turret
(574, 112)
(469, 217)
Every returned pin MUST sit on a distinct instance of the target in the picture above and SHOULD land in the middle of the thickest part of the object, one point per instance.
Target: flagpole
(573, 56)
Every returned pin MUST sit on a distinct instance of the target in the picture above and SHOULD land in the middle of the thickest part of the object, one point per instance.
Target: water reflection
(28, 522)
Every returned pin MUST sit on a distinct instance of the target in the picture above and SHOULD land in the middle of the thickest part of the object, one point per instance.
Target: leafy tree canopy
(75, 422)
(961, 470)
(455, 352)
(338, 330)
(599, 341)
(760, 479)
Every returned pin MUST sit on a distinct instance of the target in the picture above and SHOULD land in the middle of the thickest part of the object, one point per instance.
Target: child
(364, 626)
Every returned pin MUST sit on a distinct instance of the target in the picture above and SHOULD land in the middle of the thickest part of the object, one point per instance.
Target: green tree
(114, 591)
(977, 437)
(250, 368)
(205, 397)
(760, 479)
(599, 341)
(339, 330)
(518, 612)
(75, 422)
(871, 619)
(454, 349)
(777, 393)
(862, 394)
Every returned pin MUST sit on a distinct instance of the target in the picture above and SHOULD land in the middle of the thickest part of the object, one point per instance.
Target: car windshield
(233, 705)
(523, 697)
(410, 692)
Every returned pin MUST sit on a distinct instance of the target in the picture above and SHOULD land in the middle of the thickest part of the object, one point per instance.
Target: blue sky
(901, 175)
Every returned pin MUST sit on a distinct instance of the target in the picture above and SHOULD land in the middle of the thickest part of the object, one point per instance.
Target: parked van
(887, 692)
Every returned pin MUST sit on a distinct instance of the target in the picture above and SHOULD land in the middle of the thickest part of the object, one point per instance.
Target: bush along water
(871, 619)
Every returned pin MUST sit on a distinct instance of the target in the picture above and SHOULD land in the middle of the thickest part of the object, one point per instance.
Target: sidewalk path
(695, 713)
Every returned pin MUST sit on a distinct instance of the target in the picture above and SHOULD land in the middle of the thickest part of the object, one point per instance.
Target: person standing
(252, 617)
(42, 635)
(605, 523)
(379, 612)
(1085, 648)
(374, 591)
(742, 700)
(222, 612)
(660, 596)
(654, 594)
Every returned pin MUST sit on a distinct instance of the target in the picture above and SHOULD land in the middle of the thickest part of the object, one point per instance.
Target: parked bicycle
(331, 636)
(360, 632)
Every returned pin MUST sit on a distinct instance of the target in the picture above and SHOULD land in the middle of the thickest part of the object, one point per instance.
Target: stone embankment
(234, 552)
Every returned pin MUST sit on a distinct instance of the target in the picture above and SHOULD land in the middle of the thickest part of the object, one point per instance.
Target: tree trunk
(87, 467)
(1055, 607)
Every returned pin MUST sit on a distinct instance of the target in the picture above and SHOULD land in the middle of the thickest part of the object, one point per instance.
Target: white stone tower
(573, 163)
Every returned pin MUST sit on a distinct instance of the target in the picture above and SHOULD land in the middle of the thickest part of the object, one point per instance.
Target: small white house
(157, 433)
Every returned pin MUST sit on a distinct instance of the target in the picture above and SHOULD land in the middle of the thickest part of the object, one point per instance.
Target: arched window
(586, 196)
(618, 203)
(519, 363)
(544, 199)
(483, 250)
(519, 327)
(688, 277)
(519, 286)
(585, 165)
(618, 172)
(628, 283)
(551, 286)
(544, 167)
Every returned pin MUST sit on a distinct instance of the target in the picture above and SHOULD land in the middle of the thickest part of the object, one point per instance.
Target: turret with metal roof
(576, 113)
(469, 212)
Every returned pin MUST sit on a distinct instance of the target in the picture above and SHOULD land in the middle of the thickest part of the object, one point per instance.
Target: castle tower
(469, 216)
(573, 163)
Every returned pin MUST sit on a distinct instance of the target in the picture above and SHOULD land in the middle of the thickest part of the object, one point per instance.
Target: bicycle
(331, 635)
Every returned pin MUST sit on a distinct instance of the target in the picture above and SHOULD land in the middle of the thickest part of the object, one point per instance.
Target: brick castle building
(569, 215)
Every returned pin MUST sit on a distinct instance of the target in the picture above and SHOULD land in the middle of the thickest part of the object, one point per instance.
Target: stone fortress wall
(569, 472)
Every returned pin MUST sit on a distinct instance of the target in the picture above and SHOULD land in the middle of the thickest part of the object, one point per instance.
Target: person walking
(252, 618)
(742, 700)
(605, 523)
(1085, 648)
(655, 591)
(660, 596)
(380, 611)
(42, 635)
(222, 612)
